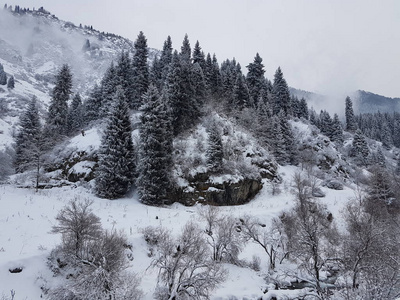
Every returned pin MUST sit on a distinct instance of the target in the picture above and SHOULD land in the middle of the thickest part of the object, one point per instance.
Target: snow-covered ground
(26, 218)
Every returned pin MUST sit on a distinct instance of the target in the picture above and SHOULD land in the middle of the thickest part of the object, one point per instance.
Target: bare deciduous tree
(222, 235)
(312, 236)
(78, 226)
(185, 268)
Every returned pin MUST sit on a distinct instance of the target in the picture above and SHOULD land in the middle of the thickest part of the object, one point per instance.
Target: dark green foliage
(289, 141)
(337, 130)
(155, 149)
(92, 105)
(3, 76)
(11, 83)
(381, 198)
(281, 95)
(108, 89)
(28, 140)
(360, 149)
(198, 84)
(303, 109)
(241, 95)
(277, 142)
(115, 173)
(215, 151)
(326, 124)
(255, 78)
(75, 115)
(350, 118)
(186, 51)
(198, 56)
(179, 94)
(56, 125)
(123, 75)
(140, 78)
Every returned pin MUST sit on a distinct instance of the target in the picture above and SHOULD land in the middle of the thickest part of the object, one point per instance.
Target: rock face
(202, 190)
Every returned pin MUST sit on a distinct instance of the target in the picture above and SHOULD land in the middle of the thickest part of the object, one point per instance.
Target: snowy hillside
(33, 47)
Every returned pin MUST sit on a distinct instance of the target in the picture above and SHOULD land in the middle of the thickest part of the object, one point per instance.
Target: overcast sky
(331, 47)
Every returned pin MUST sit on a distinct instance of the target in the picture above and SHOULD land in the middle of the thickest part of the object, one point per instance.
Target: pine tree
(165, 60)
(360, 148)
(123, 75)
(379, 158)
(3, 76)
(11, 83)
(215, 153)
(198, 56)
(140, 78)
(277, 142)
(326, 123)
(184, 108)
(56, 125)
(186, 50)
(75, 115)
(28, 139)
(93, 105)
(350, 118)
(386, 136)
(303, 109)
(281, 94)
(155, 149)
(337, 130)
(108, 88)
(241, 94)
(255, 78)
(115, 173)
(289, 141)
(198, 84)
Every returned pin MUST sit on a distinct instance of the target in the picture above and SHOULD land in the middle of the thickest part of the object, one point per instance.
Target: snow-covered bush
(94, 260)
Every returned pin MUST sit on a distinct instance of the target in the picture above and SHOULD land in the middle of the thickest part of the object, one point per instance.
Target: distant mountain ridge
(367, 102)
(363, 101)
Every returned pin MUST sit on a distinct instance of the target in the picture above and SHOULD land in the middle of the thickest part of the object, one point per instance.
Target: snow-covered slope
(33, 47)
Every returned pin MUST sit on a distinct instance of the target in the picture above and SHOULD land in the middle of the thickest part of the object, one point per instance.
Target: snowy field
(26, 218)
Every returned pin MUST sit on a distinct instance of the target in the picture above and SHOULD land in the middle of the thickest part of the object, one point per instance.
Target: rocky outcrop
(203, 190)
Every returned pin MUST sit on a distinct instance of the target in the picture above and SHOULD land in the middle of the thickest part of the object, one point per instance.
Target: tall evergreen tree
(75, 115)
(165, 59)
(241, 94)
(93, 105)
(281, 94)
(123, 75)
(155, 153)
(255, 78)
(198, 84)
(28, 140)
(386, 136)
(184, 108)
(360, 148)
(11, 83)
(108, 88)
(337, 130)
(198, 56)
(186, 50)
(350, 118)
(56, 124)
(289, 140)
(215, 153)
(303, 109)
(140, 78)
(326, 123)
(3, 76)
(115, 173)
(277, 142)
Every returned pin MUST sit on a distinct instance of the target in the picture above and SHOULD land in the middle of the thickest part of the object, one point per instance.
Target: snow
(26, 218)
